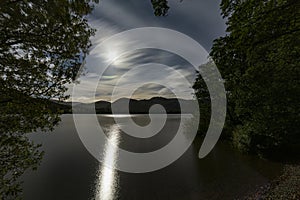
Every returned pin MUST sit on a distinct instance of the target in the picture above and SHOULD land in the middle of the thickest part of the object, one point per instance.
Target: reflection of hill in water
(120, 106)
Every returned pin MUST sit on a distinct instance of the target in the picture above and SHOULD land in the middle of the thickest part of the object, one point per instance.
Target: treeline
(259, 61)
(125, 106)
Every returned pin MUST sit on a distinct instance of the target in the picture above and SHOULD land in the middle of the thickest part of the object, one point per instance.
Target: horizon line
(138, 99)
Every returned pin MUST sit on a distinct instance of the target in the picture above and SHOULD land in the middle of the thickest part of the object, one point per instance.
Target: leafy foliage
(203, 97)
(17, 155)
(160, 7)
(259, 60)
(43, 45)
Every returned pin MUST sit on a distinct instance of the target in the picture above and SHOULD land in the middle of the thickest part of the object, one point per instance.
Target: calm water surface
(68, 171)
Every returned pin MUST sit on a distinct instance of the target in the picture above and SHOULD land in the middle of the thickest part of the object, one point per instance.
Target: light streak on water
(107, 181)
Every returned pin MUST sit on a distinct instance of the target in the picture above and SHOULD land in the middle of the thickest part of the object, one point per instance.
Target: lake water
(68, 171)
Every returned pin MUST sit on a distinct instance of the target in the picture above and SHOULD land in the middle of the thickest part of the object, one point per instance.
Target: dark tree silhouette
(43, 45)
(259, 60)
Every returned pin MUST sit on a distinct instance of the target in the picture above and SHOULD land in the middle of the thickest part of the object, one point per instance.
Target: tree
(43, 45)
(160, 7)
(259, 60)
(203, 96)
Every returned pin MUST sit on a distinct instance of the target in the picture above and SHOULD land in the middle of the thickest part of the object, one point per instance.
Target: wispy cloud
(198, 19)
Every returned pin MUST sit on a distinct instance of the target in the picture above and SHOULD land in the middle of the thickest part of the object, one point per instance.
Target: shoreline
(284, 187)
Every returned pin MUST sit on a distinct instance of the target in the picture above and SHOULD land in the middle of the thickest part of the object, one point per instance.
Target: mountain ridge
(136, 106)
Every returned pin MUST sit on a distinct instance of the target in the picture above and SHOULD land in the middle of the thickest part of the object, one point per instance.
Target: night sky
(198, 19)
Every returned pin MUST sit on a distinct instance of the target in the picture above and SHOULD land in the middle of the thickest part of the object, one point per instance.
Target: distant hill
(120, 106)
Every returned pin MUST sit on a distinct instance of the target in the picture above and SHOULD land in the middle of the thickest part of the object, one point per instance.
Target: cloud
(198, 19)
(113, 77)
